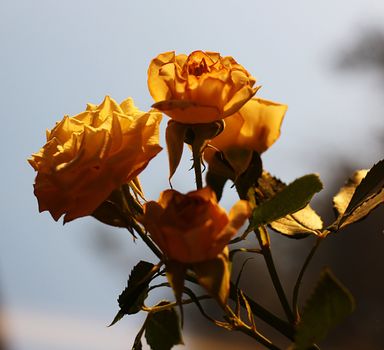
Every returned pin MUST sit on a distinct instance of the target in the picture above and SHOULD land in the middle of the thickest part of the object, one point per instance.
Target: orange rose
(89, 155)
(192, 227)
(255, 127)
(200, 88)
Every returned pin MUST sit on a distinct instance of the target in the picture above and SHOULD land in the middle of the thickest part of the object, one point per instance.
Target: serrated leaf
(300, 224)
(344, 196)
(267, 187)
(297, 225)
(214, 275)
(328, 305)
(363, 210)
(162, 329)
(372, 184)
(363, 192)
(133, 296)
(289, 200)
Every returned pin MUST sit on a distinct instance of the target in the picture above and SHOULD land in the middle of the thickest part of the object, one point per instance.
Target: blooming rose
(199, 88)
(192, 227)
(89, 155)
(255, 127)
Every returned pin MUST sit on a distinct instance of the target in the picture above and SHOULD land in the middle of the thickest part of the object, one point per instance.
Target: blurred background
(325, 59)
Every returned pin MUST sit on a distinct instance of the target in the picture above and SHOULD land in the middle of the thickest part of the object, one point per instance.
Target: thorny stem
(296, 289)
(266, 251)
(239, 325)
(259, 311)
(257, 336)
(147, 240)
(196, 153)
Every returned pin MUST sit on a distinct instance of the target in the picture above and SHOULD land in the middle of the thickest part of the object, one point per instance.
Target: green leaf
(132, 298)
(363, 192)
(300, 224)
(267, 187)
(289, 200)
(328, 305)
(370, 186)
(162, 330)
(297, 225)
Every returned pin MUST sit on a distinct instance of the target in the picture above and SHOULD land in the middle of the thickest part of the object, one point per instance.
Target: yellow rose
(89, 155)
(200, 88)
(255, 127)
(192, 227)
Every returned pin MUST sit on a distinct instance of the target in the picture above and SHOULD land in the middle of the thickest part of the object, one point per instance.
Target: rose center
(198, 68)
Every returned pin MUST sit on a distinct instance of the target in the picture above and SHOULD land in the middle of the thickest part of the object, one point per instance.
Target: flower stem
(257, 336)
(147, 240)
(251, 331)
(196, 153)
(259, 311)
(266, 251)
(135, 225)
(296, 289)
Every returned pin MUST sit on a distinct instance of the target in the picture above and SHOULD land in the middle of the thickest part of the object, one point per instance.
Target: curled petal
(256, 126)
(89, 155)
(201, 88)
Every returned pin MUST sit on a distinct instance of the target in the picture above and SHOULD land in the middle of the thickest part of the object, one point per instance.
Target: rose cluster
(90, 155)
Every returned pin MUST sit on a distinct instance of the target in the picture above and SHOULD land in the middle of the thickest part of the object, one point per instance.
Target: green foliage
(162, 330)
(289, 200)
(328, 305)
(363, 192)
(370, 186)
(132, 298)
(299, 224)
(296, 225)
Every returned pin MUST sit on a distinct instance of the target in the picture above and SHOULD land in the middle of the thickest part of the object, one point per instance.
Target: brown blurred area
(2, 325)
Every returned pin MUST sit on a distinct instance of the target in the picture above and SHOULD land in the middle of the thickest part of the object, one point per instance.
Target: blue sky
(57, 290)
